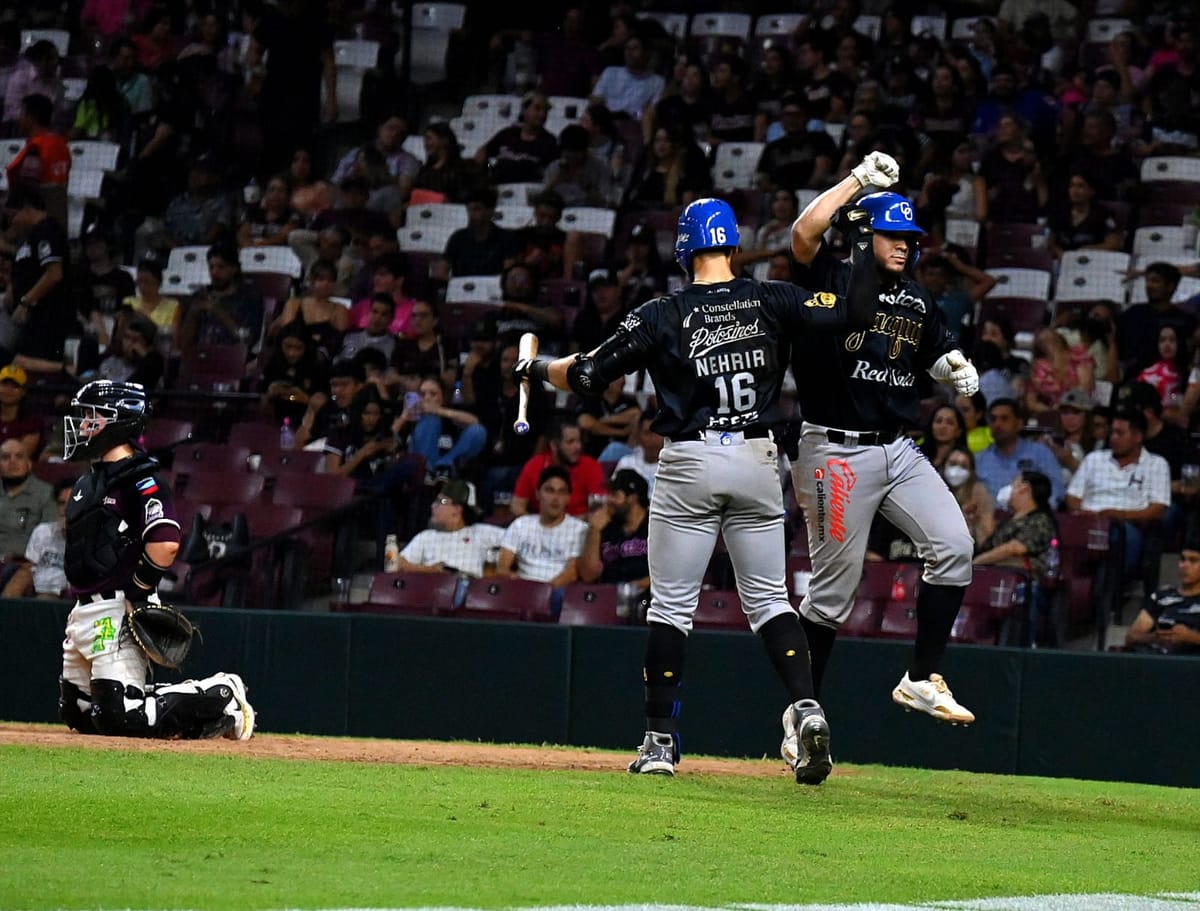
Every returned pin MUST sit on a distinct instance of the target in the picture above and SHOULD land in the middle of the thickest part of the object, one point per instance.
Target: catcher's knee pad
(75, 707)
(192, 710)
(118, 710)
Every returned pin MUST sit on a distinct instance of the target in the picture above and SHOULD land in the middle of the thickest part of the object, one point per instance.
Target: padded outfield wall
(1062, 714)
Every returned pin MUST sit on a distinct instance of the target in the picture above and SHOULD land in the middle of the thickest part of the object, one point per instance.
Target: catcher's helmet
(705, 224)
(892, 213)
(104, 414)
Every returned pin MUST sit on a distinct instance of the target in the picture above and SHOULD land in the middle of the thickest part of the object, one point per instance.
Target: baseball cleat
(805, 745)
(656, 756)
(239, 709)
(932, 697)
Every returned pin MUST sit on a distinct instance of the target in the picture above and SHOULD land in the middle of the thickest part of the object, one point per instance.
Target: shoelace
(939, 683)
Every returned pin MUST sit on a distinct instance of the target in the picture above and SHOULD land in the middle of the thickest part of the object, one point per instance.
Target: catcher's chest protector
(98, 536)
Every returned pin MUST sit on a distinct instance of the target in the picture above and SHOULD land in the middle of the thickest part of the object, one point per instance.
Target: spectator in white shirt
(452, 542)
(1131, 486)
(42, 573)
(630, 89)
(546, 546)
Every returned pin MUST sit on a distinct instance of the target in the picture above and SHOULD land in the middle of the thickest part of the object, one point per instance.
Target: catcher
(122, 536)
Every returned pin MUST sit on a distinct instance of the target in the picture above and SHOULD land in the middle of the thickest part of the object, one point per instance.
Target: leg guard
(193, 711)
(119, 710)
(75, 707)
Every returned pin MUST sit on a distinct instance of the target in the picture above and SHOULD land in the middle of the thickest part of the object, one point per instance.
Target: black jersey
(858, 380)
(713, 351)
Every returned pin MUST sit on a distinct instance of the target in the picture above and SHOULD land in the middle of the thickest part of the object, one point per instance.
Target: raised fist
(877, 169)
(954, 368)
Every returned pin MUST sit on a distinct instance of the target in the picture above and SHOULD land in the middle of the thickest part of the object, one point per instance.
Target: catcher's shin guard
(75, 707)
(120, 711)
(191, 711)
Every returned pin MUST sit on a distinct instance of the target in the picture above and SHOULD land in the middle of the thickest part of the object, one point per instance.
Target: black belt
(754, 433)
(861, 438)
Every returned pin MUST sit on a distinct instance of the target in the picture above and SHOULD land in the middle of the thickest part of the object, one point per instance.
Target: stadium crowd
(1046, 147)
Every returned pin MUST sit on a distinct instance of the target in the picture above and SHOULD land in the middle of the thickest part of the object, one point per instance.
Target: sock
(787, 647)
(663, 675)
(937, 606)
(820, 644)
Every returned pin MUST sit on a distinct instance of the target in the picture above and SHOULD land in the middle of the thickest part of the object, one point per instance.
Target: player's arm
(876, 169)
(1142, 630)
(589, 374)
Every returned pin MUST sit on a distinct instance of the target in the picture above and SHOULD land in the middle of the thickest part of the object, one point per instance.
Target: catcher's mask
(892, 213)
(104, 414)
(705, 224)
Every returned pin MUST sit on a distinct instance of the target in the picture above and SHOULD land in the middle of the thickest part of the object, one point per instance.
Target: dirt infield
(400, 752)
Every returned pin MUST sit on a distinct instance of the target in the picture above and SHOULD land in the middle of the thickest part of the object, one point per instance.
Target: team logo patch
(824, 300)
(154, 511)
(819, 474)
(147, 486)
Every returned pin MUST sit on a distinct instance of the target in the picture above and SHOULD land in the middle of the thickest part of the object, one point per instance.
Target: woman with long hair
(102, 112)
(324, 319)
(367, 447)
(1058, 367)
(944, 432)
(671, 172)
(292, 374)
(1169, 373)
(268, 222)
(445, 172)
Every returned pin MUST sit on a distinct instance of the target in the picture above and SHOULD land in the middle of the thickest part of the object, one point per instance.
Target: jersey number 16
(744, 396)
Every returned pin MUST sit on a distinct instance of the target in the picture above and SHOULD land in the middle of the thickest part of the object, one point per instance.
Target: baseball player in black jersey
(713, 354)
(857, 397)
(122, 536)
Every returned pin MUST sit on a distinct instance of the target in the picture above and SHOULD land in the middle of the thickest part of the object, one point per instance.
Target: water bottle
(899, 590)
(391, 554)
(287, 436)
(457, 397)
(251, 192)
(1053, 561)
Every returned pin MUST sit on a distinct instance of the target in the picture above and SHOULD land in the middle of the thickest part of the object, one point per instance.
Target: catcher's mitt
(162, 632)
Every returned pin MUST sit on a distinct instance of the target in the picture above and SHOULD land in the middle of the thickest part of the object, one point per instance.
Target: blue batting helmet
(891, 212)
(704, 225)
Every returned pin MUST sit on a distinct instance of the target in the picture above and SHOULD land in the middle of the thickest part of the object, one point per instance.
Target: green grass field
(81, 828)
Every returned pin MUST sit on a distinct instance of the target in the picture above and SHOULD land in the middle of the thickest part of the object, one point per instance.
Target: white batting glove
(954, 368)
(877, 169)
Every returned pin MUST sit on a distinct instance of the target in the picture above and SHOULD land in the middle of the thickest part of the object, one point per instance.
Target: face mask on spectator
(956, 475)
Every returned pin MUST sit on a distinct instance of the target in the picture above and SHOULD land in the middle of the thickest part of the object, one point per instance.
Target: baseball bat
(527, 348)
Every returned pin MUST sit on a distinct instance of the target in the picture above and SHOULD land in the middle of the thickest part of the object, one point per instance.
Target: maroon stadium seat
(590, 604)
(507, 598)
(417, 594)
(720, 608)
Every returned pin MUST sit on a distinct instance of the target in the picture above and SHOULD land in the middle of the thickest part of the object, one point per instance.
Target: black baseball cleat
(805, 744)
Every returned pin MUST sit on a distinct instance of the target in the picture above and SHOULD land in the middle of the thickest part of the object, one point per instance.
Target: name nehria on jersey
(716, 364)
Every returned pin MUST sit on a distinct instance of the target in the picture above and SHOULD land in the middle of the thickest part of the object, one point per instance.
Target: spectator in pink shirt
(388, 278)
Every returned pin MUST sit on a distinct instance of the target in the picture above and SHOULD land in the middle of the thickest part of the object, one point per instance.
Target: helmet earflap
(705, 224)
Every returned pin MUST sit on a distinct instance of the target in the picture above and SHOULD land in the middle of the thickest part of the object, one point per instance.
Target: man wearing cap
(16, 421)
(600, 316)
(453, 542)
(27, 502)
(618, 531)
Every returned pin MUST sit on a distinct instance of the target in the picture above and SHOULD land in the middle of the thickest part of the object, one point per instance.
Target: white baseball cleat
(932, 697)
(239, 709)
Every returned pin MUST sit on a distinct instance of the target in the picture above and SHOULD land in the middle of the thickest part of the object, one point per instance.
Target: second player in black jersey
(857, 391)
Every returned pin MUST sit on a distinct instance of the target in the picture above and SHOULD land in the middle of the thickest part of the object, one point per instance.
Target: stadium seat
(720, 608)
(589, 219)
(278, 258)
(218, 487)
(713, 35)
(166, 433)
(1027, 314)
(316, 492)
(411, 594)
(590, 604)
(451, 215)
(1020, 282)
(303, 461)
(1037, 258)
(1081, 594)
(507, 598)
(736, 164)
(255, 436)
(191, 457)
(893, 584)
(994, 607)
(213, 366)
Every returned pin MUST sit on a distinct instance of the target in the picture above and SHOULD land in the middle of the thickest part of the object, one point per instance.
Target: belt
(754, 433)
(861, 438)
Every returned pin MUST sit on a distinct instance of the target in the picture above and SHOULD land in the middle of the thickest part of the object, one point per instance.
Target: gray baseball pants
(706, 487)
(840, 487)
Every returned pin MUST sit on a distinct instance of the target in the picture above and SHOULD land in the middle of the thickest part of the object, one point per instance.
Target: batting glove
(954, 368)
(854, 223)
(532, 368)
(877, 169)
